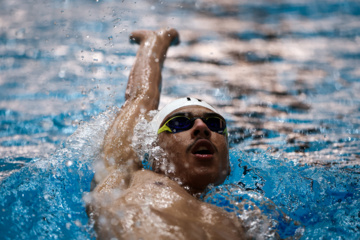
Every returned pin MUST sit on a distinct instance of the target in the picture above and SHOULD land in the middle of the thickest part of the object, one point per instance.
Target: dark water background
(285, 73)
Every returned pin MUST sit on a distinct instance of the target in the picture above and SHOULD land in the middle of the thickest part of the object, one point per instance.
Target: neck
(195, 192)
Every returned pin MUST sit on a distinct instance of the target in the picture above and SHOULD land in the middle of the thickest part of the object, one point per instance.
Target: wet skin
(196, 157)
(128, 202)
(156, 207)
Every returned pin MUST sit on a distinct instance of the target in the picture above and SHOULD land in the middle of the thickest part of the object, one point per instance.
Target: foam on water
(144, 141)
(323, 201)
(284, 72)
(44, 199)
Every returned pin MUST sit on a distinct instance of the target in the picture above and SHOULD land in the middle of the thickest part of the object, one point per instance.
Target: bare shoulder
(154, 201)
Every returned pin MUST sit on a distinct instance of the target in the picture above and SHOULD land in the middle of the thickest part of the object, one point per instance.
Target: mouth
(203, 149)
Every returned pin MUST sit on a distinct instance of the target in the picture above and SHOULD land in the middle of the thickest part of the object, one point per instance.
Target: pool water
(284, 73)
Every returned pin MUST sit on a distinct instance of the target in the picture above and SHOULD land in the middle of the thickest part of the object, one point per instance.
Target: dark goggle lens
(181, 123)
(215, 124)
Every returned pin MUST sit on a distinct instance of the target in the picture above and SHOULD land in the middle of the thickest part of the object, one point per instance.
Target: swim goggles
(182, 123)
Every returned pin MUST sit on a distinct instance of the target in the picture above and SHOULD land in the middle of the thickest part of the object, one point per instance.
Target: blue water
(285, 74)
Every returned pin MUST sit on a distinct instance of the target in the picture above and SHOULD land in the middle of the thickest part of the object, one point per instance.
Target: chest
(161, 204)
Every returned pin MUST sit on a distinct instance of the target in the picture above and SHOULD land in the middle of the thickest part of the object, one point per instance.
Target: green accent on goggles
(182, 123)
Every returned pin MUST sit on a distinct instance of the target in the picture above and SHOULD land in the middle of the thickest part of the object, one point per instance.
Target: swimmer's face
(196, 157)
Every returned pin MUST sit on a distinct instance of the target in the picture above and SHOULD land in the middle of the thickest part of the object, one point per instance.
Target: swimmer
(128, 202)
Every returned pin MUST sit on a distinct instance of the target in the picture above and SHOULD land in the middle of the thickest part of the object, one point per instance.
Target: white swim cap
(178, 103)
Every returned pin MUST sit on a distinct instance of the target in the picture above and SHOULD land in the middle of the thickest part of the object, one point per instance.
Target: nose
(200, 129)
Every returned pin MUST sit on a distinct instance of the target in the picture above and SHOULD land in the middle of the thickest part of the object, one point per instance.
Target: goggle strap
(225, 132)
(165, 126)
(163, 129)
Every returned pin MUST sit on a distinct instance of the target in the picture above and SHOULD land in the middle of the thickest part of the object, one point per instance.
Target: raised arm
(142, 95)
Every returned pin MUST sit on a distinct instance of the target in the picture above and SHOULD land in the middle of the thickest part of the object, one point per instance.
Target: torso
(155, 207)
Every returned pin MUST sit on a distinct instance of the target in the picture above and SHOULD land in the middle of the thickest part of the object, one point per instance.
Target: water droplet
(68, 225)
(62, 73)
(78, 223)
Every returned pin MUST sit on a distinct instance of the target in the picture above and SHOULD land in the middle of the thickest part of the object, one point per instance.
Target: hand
(168, 37)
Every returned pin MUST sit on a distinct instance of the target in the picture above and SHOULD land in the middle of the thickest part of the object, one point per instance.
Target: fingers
(174, 36)
(170, 36)
(167, 36)
(138, 36)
